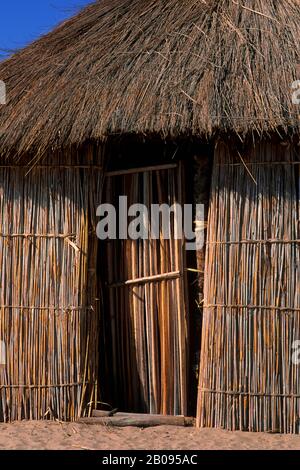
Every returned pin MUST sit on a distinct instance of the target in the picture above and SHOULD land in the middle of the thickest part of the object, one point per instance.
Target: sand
(59, 436)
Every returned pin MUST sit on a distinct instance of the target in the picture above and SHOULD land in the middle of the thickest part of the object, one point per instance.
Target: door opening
(152, 289)
(145, 300)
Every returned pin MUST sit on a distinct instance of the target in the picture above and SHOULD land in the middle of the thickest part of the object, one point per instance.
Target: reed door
(145, 320)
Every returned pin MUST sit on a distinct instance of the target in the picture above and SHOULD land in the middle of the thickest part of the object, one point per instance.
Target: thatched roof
(155, 66)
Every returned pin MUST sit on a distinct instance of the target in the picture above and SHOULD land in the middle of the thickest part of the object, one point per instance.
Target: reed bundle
(48, 314)
(252, 293)
(145, 318)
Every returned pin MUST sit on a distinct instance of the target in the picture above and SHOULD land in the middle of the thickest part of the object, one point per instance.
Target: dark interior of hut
(144, 348)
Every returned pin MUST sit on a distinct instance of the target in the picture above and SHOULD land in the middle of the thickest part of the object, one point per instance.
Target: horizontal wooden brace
(242, 164)
(54, 167)
(26, 307)
(130, 171)
(250, 394)
(257, 307)
(32, 386)
(143, 280)
(37, 235)
(257, 242)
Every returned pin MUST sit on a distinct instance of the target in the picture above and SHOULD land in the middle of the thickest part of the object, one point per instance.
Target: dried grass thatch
(145, 66)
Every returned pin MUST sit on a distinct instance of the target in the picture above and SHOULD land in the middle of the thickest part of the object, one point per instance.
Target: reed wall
(248, 379)
(48, 289)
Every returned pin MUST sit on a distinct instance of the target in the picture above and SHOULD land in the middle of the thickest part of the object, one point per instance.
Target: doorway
(145, 299)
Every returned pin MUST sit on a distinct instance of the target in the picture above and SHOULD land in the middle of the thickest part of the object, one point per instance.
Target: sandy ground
(49, 435)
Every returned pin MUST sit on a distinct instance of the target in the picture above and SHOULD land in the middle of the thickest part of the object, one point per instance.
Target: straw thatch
(165, 66)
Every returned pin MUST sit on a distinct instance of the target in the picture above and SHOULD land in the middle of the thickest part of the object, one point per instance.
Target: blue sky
(22, 21)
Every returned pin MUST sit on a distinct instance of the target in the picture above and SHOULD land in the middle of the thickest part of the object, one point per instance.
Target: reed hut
(161, 101)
